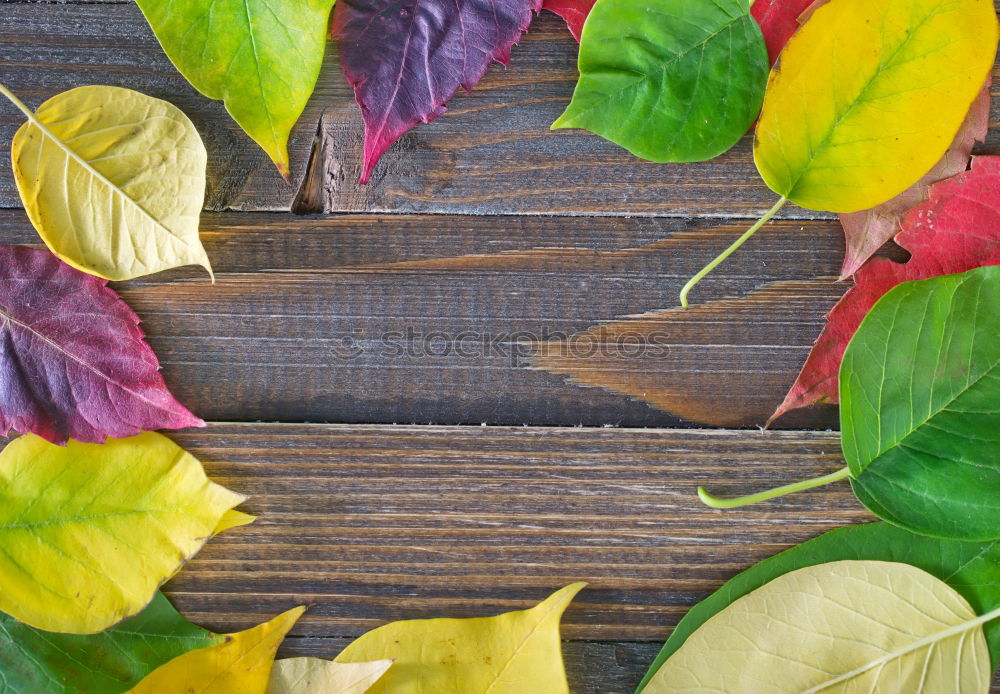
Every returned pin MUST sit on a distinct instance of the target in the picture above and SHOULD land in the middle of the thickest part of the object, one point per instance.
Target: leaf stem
(716, 502)
(17, 102)
(729, 251)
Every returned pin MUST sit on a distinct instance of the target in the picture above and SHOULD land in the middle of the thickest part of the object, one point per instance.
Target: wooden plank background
(418, 302)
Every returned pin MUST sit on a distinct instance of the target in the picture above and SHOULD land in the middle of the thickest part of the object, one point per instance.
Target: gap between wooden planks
(369, 524)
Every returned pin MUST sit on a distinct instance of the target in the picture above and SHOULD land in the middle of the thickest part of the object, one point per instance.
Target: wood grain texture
(376, 523)
(419, 319)
(491, 154)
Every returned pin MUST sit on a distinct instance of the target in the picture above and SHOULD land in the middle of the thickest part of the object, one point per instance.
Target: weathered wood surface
(418, 319)
(374, 523)
(492, 153)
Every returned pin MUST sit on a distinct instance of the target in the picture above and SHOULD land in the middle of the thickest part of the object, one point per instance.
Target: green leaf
(33, 661)
(671, 81)
(973, 569)
(838, 627)
(920, 406)
(261, 57)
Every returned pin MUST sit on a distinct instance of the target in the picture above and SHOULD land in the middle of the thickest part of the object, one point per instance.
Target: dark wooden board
(492, 153)
(370, 523)
(310, 316)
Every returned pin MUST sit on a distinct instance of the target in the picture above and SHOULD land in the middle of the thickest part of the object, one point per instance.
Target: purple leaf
(406, 58)
(73, 361)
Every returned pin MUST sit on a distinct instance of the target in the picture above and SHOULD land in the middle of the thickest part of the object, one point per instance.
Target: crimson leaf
(73, 362)
(406, 58)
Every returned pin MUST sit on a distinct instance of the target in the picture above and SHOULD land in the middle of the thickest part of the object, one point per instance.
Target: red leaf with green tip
(956, 230)
(406, 58)
(73, 361)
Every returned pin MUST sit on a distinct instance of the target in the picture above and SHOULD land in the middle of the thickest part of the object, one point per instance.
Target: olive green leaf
(113, 181)
(971, 568)
(261, 57)
(670, 81)
(112, 662)
(839, 627)
(920, 406)
(89, 531)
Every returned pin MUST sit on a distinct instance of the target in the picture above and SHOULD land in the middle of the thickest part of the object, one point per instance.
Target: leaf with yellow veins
(836, 628)
(88, 532)
(239, 665)
(113, 181)
(495, 655)
(317, 676)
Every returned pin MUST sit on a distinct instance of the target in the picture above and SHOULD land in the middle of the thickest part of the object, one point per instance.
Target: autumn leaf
(971, 568)
(490, 655)
(90, 531)
(778, 20)
(113, 181)
(239, 665)
(316, 676)
(867, 231)
(678, 81)
(406, 58)
(111, 662)
(867, 98)
(573, 11)
(261, 58)
(957, 229)
(74, 363)
(845, 626)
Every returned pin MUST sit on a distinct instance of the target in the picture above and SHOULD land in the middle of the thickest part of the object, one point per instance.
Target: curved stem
(716, 502)
(17, 102)
(729, 251)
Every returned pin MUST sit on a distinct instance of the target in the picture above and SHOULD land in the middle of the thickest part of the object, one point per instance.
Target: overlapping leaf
(262, 58)
(778, 20)
(240, 664)
(845, 626)
(491, 655)
(315, 676)
(971, 568)
(111, 662)
(677, 81)
(868, 230)
(869, 96)
(957, 229)
(407, 58)
(920, 406)
(73, 361)
(90, 531)
(113, 180)
(573, 11)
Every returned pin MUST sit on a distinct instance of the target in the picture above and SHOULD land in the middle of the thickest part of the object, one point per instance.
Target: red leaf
(868, 230)
(956, 230)
(778, 20)
(573, 11)
(406, 58)
(73, 362)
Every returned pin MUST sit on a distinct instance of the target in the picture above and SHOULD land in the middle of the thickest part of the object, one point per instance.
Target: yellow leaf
(513, 653)
(239, 665)
(113, 180)
(316, 676)
(868, 96)
(845, 626)
(89, 531)
(233, 519)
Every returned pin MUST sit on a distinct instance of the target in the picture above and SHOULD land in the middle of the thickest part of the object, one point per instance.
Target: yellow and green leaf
(89, 531)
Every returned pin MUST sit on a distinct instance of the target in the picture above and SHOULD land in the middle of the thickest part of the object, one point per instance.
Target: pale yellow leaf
(837, 628)
(113, 180)
(88, 532)
(513, 653)
(316, 676)
(239, 665)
